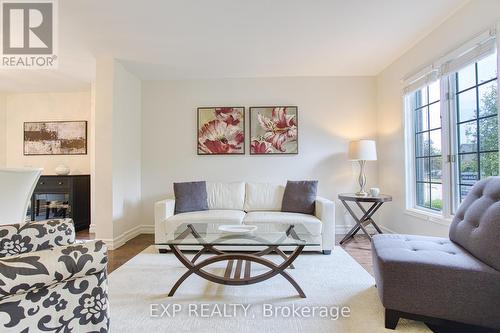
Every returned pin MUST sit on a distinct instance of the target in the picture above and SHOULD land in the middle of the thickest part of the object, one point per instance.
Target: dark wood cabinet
(73, 199)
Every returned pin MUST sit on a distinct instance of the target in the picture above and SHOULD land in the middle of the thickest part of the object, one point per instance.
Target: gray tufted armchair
(446, 281)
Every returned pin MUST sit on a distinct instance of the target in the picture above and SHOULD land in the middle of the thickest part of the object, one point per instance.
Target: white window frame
(443, 217)
(446, 67)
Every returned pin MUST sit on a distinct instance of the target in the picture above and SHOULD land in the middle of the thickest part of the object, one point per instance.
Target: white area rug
(140, 287)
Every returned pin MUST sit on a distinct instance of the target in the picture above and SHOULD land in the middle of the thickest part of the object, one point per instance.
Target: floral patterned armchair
(49, 281)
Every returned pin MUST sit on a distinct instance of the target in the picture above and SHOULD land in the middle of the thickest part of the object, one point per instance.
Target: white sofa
(253, 204)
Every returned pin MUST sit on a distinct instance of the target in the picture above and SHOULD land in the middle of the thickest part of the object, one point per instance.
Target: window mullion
(447, 144)
(454, 188)
(478, 136)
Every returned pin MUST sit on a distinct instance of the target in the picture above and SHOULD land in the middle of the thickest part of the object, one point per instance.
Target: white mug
(374, 191)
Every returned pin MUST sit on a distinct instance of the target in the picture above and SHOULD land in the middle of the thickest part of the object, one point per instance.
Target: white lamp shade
(362, 150)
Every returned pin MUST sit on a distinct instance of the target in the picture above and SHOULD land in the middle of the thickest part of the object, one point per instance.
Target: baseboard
(147, 229)
(387, 230)
(342, 229)
(120, 240)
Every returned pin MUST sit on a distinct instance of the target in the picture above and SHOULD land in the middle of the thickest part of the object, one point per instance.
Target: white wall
(473, 18)
(20, 108)
(103, 151)
(126, 151)
(3, 132)
(117, 160)
(331, 112)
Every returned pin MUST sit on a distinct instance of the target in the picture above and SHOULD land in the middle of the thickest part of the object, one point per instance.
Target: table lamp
(362, 151)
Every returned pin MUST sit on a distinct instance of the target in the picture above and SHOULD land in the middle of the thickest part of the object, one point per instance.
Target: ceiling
(182, 39)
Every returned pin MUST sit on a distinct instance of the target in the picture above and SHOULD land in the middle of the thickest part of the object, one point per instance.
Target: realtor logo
(28, 34)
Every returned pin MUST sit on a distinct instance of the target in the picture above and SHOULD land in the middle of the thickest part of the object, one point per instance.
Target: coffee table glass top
(264, 235)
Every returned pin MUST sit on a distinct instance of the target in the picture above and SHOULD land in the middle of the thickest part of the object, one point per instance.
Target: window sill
(428, 216)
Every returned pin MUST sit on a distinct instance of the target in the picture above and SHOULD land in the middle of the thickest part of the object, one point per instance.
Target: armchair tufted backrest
(476, 225)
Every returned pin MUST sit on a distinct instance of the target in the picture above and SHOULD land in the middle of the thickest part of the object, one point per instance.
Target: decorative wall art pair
(273, 130)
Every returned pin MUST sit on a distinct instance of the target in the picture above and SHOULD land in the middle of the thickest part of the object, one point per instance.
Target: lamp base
(362, 180)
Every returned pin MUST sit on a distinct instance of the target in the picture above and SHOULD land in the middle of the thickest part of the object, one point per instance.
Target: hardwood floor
(124, 253)
(358, 248)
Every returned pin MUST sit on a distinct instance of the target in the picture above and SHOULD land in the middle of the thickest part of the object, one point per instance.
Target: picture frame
(221, 130)
(55, 138)
(265, 139)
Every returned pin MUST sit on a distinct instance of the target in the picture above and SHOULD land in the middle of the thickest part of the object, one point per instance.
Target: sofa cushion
(476, 225)
(300, 196)
(283, 219)
(190, 197)
(263, 197)
(222, 216)
(226, 195)
(425, 275)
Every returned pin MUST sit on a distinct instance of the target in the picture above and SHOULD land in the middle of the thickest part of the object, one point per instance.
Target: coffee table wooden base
(242, 266)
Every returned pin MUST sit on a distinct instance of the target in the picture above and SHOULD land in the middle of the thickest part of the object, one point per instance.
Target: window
(428, 159)
(452, 133)
(476, 124)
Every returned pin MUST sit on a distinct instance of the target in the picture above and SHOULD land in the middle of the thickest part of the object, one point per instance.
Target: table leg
(359, 222)
(237, 279)
(350, 234)
(375, 208)
(376, 227)
(283, 255)
(367, 217)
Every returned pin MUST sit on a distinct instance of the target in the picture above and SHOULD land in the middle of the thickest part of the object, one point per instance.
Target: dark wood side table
(366, 217)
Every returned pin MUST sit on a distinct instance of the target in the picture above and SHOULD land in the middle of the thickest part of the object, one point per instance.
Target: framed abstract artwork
(274, 130)
(221, 130)
(55, 138)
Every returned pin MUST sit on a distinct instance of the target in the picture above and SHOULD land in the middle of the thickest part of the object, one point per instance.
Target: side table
(366, 217)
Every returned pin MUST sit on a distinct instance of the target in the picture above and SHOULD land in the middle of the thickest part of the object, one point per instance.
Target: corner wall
(103, 142)
(117, 160)
(470, 20)
(126, 152)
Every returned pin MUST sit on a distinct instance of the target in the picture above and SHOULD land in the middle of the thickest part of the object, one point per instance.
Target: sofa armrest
(35, 236)
(163, 210)
(325, 211)
(29, 271)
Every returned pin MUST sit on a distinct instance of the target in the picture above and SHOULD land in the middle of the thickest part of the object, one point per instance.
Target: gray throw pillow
(190, 197)
(300, 197)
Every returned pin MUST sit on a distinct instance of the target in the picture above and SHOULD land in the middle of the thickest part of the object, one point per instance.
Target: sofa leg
(391, 319)
(162, 250)
(327, 252)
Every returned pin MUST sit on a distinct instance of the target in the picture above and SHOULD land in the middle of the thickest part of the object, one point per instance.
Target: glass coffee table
(238, 272)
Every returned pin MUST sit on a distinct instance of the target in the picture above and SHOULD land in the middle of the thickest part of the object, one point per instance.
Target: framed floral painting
(273, 130)
(221, 131)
